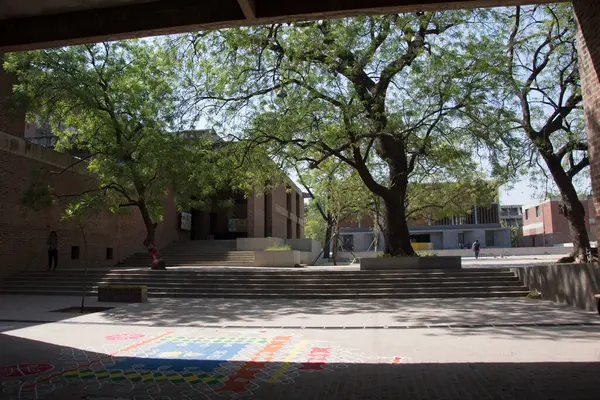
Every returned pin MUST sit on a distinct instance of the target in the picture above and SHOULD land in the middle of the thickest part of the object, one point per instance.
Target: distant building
(455, 232)
(511, 215)
(544, 224)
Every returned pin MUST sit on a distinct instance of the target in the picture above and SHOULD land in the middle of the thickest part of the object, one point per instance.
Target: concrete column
(12, 120)
(587, 14)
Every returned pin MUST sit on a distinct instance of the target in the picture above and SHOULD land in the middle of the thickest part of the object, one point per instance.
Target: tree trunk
(157, 262)
(573, 210)
(327, 244)
(335, 245)
(85, 267)
(397, 236)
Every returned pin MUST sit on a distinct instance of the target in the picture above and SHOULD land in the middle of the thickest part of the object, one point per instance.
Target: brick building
(545, 225)
(110, 238)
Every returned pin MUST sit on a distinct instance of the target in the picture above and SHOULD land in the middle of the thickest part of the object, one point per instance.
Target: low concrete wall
(485, 252)
(410, 263)
(250, 244)
(276, 258)
(573, 284)
(309, 249)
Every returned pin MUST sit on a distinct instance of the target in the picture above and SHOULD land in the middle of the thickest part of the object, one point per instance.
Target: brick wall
(278, 212)
(587, 14)
(23, 234)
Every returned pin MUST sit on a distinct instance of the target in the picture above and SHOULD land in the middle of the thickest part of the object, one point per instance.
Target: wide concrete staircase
(197, 253)
(195, 283)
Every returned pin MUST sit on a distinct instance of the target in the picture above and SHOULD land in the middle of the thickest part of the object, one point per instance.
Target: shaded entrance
(225, 219)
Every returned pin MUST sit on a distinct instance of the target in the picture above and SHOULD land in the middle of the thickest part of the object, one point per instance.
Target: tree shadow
(520, 318)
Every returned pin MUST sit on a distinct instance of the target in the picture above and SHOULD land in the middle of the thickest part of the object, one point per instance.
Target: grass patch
(534, 294)
(285, 247)
(386, 255)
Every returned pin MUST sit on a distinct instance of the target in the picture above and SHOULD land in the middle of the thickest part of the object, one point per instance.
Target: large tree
(400, 91)
(542, 83)
(118, 103)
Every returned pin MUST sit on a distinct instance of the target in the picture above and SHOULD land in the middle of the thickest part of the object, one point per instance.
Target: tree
(398, 90)
(337, 194)
(542, 76)
(119, 104)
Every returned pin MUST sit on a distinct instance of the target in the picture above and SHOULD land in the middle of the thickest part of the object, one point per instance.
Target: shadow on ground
(508, 315)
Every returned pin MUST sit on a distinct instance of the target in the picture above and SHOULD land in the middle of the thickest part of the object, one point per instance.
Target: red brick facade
(545, 225)
(587, 13)
(23, 234)
(284, 208)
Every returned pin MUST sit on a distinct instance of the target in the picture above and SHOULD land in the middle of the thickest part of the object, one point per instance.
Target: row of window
(75, 253)
(289, 201)
(537, 212)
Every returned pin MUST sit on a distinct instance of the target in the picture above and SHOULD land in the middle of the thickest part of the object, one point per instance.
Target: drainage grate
(86, 310)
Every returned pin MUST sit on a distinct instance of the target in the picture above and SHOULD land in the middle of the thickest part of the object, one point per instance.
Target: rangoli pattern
(202, 367)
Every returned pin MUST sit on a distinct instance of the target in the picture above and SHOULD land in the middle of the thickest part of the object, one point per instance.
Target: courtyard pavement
(298, 349)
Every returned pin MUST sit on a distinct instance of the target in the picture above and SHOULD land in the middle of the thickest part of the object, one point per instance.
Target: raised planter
(387, 263)
(309, 249)
(283, 258)
(122, 294)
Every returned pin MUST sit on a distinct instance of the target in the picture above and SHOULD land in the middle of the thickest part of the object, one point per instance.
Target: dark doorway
(426, 238)
(213, 224)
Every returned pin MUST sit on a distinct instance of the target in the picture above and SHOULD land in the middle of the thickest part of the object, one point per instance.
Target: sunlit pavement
(292, 349)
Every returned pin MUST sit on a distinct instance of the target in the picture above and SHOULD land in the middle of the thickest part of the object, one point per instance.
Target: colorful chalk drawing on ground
(203, 367)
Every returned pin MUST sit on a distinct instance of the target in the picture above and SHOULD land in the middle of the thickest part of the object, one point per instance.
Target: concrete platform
(215, 349)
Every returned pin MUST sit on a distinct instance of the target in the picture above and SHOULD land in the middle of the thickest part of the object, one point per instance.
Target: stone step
(270, 273)
(268, 286)
(307, 279)
(261, 278)
(257, 295)
(241, 291)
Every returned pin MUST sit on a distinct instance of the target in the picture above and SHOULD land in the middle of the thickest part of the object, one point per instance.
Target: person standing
(476, 246)
(52, 243)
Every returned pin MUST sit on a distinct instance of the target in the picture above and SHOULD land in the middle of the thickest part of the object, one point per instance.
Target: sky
(519, 194)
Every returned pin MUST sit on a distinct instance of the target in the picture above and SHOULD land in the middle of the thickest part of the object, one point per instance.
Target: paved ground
(386, 349)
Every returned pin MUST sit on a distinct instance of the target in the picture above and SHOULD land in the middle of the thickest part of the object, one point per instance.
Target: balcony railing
(46, 141)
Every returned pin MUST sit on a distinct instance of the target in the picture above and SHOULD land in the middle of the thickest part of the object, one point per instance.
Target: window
(297, 230)
(74, 252)
(537, 211)
(461, 238)
(109, 253)
(289, 228)
(346, 243)
(298, 205)
(526, 214)
(288, 199)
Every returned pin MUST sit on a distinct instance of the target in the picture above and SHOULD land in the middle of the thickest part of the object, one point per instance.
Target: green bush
(285, 247)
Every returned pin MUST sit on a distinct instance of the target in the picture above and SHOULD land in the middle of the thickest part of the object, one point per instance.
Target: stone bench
(123, 294)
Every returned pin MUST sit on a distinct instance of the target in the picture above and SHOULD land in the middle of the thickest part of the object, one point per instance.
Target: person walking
(52, 243)
(476, 246)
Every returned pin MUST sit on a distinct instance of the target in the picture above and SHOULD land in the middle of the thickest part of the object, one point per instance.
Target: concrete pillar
(12, 120)
(587, 14)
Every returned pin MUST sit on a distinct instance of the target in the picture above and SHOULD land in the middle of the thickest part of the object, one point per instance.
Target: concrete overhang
(33, 24)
